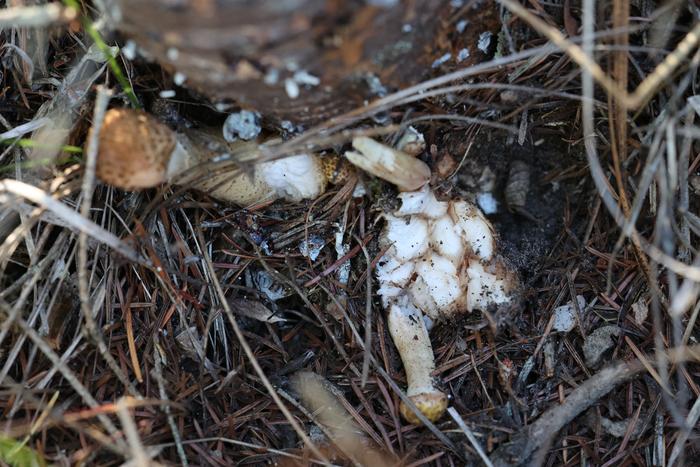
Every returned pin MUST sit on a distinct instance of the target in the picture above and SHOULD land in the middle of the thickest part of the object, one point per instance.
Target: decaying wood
(226, 50)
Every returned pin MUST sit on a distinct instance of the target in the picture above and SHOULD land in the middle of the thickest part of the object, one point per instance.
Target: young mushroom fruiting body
(441, 259)
(136, 151)
(392, 165)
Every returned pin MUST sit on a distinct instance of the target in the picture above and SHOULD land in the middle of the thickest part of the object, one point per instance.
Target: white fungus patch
(443, 255)
(294, 178)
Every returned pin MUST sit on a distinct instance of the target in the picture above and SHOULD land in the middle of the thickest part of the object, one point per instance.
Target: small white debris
(360, 190)
(222, 106)
(440, 61)
(268, 286)
(292, 88)
(565, 315)
(456, 3)
(341, 249)
(166, 94)
(172, 53)
(407, 28)
(640, 309)
(375, 85)
(487, 202)
(597, 343)
(129, 50)
(312, 247)
(462, 55)
(179, 79)
(287, 126)
(271, 77)
(383, 3)
(484, 41)
(461, 26)
(412, 142)
(243, 125)
(305, 78)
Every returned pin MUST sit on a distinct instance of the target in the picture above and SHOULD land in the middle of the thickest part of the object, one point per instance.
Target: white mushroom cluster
(441, 260)
(442, 254)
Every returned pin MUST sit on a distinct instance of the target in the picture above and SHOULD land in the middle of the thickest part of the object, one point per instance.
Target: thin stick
(138, 453)
(50, 14)
(368, 314)
(539, 435)
(158, 373)
(470, 436)
(69, 216)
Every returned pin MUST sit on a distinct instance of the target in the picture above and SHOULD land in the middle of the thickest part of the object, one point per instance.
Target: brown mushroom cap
(134, 150)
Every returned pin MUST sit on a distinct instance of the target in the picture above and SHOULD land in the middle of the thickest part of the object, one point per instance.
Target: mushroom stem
(137, 151)
(411, 338)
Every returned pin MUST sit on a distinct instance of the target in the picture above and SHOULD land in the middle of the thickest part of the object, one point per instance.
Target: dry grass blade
(470, 436)
(66, 214)
(646, 88)
(139, 457)
(36, 16)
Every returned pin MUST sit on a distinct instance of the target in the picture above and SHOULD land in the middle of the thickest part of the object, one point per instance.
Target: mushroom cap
(134, 150)
(430, 404)
(296, 177)
(406, 172)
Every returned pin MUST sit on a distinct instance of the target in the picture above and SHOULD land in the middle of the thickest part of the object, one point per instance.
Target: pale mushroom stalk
(136, 151)
(408, 331)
